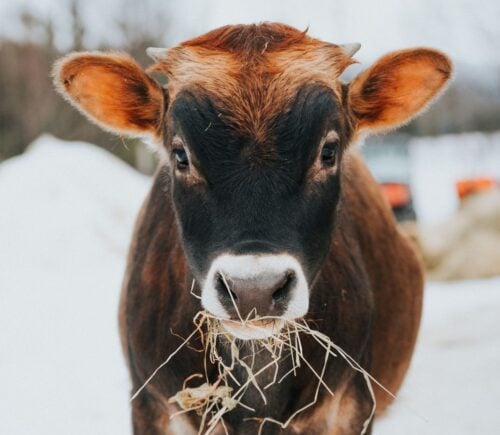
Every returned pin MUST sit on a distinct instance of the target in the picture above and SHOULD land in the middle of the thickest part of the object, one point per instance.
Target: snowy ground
(67, 215)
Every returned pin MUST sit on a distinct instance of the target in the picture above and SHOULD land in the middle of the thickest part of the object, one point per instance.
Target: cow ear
(112, 90)
(398, 87)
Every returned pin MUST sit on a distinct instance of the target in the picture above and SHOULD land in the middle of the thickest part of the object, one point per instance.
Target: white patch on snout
(248, 267)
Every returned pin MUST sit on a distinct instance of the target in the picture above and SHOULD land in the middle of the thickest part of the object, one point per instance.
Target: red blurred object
(398, 194)
(468, 186)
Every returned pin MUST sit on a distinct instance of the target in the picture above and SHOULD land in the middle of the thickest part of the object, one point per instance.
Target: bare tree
(77, 27)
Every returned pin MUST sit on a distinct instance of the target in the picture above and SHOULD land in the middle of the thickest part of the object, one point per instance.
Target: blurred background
(69, 193)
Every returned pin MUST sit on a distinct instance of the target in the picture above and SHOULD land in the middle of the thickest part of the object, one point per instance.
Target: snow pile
(66, 221)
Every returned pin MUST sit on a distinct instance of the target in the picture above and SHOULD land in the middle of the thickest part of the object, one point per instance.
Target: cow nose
(263, 294)
(255, 285)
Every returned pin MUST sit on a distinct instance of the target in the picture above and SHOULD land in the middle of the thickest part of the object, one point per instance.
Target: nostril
(284, 287)
(224, 288)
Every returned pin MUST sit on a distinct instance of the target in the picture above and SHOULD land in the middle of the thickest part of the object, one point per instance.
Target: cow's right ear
(112, 90)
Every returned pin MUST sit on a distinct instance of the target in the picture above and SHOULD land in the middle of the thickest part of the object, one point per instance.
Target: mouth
(252, 329)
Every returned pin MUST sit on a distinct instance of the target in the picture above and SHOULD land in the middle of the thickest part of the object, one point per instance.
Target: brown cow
(261, 200)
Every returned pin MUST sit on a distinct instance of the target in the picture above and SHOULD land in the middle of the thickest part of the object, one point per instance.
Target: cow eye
(181, 158)
(329, 153)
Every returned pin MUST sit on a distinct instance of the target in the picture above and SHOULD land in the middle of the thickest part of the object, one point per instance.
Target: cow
(261, 205)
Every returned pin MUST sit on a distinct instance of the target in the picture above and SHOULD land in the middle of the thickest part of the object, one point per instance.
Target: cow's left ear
(112, 90)
(398, 87)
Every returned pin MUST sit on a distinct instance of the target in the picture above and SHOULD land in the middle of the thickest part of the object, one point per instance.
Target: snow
(453, 386)
(67, 217)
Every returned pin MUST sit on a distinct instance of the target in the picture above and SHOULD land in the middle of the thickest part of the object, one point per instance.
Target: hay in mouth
(275, 335)
(212, 400)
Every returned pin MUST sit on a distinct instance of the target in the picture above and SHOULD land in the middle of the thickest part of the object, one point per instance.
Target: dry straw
(212, 400)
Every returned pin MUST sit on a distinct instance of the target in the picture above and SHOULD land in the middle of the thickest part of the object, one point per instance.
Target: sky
(467, 30)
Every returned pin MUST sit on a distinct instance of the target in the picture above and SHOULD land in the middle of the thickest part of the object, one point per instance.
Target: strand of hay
(163, 364)
(213, 400)
(369, 419)
(285, 424)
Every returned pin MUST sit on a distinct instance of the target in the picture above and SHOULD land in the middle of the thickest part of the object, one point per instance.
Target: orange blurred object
(468, 186)
(398, 194)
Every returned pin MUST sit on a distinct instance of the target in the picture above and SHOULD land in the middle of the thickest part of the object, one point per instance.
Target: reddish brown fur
(391, 259)
(254, 71)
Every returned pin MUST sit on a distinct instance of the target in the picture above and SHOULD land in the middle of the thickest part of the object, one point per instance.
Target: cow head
(255, 123)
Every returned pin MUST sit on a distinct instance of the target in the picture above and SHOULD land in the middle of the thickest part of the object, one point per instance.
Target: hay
(198, 398)
(213, 400)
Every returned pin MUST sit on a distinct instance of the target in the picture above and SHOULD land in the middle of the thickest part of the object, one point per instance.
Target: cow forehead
(202, 123)
(255, 70)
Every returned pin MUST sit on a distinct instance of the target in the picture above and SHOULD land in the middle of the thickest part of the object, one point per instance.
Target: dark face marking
(257, 197)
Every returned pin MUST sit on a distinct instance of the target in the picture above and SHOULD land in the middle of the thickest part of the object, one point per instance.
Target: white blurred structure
(437, 163)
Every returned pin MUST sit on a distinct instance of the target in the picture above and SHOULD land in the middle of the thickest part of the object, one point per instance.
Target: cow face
(256, 214)
(255, 123)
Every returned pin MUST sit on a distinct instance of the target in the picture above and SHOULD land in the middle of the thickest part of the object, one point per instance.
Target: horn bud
(350, 49)
(157, 53)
